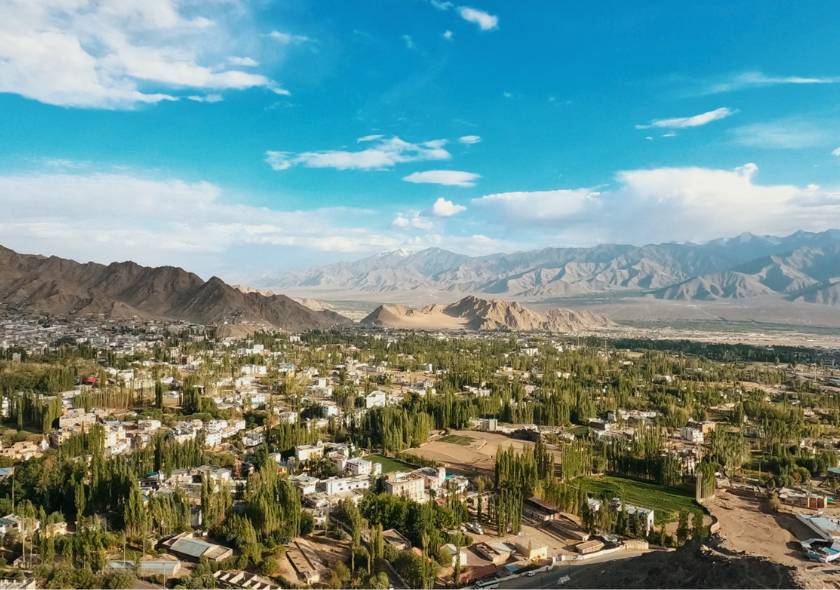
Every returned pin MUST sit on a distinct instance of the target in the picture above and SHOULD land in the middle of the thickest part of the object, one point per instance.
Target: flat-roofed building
(412, 487)
(188, 546)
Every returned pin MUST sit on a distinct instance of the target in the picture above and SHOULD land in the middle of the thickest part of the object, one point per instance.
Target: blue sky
(245, 138)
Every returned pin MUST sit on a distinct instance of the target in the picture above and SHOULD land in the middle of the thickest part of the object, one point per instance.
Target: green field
(666, 502)
(457, 439)
(390, 464)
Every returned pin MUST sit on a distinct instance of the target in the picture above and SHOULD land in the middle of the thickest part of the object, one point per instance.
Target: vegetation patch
(390, 464)
(665, 501)
(457, 439)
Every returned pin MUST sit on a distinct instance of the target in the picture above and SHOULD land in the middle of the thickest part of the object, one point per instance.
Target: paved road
(551, 578)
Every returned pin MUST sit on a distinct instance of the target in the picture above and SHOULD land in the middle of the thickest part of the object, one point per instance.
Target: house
(587, 547)
(306, 484)
(406, 485)
(13, 522)
(692, 435)
(540, 510)
(824, 527)
(359, 466)
(339, 485)
(309, 452)
(243, 580)
(803, 500)
(496, 553)
(375, 399)
(396, 540)
(488, 424)
(188, 546)
(459, 556)
(304, 565)
(529, 550)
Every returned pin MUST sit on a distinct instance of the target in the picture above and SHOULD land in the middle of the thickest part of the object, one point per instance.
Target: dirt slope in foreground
(692, 566)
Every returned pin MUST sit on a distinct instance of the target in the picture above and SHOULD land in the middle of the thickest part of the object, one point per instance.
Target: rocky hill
(473, 313)
(60, 287)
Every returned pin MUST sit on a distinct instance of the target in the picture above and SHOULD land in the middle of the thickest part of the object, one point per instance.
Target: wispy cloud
(409, 42)
(484, 20)
(470, 139)
(384, 153)
(790, 133)
(210, 98)
(284, 38)
(757, 79)
(448, 35)
(445, 208)
(443, 177)
(836, 152)
(412, 221)
(247, 62)
(692, 121)
(117, 54)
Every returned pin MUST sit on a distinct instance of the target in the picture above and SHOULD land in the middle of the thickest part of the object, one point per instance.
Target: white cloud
(164, 221)
(409, 42)
(693, 121)
(758, 79)
(242, 61)
(280, 91)
(448, 35)
(484, 20)
(442, 4)
(792, 133)
(836, 152)
(443, 177)
(288, 38)
(211, 98)
(470, 139)
(664, 204)
(550, 206)
(445, 208)
(412, 221)
(384, 153)
(85, 53)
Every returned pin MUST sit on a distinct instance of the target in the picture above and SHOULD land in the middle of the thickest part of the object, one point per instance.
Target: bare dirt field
(480, 455)
(746, 527)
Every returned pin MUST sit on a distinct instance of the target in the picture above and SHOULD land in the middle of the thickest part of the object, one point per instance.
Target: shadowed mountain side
(120, 290)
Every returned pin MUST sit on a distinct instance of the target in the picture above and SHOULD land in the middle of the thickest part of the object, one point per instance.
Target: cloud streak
(384, 153)
(757, 79)
(443, 177)
(692, 121)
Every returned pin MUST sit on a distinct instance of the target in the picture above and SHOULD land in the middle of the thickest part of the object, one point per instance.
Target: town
(391, 459)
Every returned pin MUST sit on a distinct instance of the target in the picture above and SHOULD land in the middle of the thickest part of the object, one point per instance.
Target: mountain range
(473, 313)
(121, 290)
(802, 266)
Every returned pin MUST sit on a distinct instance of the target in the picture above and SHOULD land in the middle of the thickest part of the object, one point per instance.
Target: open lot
(746, 527)
(477, 455)
(665, 501)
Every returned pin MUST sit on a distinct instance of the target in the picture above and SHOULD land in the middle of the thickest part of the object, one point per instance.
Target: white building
(339, 485)
(375, 399)
(309, 452)
(694, 435)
